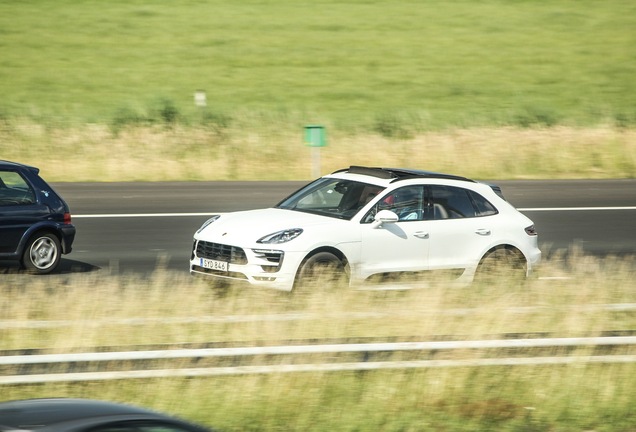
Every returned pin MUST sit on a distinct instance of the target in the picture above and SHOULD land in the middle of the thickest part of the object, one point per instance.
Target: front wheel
(42, 254)
(320, 271)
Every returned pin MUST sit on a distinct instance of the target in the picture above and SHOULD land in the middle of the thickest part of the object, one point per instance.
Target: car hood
(249, 226)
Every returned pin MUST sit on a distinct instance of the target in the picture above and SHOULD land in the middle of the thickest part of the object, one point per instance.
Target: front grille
(221, 252)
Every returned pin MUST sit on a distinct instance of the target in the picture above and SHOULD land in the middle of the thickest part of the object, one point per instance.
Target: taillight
(531, 230)
(67, 218)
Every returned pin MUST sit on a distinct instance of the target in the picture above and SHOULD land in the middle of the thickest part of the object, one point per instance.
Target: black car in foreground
(86, 415)
(35, 222)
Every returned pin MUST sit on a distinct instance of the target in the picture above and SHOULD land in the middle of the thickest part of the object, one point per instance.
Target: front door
(399, 247)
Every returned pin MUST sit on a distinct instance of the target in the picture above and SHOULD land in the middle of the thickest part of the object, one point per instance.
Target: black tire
(42, 253)
(501, 264)
(322, 270)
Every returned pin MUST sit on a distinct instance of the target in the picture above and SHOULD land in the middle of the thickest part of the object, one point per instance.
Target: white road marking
(145, 215)
(141, 215)
(543, 209)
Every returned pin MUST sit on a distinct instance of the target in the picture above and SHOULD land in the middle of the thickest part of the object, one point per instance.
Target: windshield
(331, 197)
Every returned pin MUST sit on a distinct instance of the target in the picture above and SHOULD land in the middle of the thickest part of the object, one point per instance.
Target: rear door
(461, 229)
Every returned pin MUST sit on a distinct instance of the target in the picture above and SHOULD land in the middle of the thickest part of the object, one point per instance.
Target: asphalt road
(133, 227)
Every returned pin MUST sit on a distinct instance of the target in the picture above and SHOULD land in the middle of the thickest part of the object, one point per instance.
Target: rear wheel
(321, 271)
(501, 264)
(42, 253)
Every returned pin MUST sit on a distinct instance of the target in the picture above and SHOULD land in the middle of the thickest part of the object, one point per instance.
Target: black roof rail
(370, 171)
(400, 173)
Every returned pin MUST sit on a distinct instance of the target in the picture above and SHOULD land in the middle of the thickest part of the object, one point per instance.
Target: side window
(407, 202)
(451, 203)
(484, 208)
(14, 190)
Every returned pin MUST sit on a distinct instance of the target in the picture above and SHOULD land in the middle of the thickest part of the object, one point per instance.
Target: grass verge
(158, 153)
(523, 398)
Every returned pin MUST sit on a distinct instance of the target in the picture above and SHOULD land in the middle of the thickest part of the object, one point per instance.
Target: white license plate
(214, 264)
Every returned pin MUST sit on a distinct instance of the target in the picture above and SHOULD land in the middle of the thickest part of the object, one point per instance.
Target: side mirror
(385, 216)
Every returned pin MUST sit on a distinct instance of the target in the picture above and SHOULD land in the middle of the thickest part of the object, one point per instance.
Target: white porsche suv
(368, 226)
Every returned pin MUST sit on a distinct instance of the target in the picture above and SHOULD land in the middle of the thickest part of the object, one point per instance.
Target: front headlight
(208, 222)
(281, 236)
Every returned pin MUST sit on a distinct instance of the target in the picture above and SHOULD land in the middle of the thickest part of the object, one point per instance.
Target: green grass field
(356, 65)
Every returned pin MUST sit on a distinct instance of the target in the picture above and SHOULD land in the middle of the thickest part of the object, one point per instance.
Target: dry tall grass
(95, 153)
(96, 309)
(74, 313)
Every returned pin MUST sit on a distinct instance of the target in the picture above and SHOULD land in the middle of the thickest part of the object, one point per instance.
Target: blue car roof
(55, 410)
(14, 165)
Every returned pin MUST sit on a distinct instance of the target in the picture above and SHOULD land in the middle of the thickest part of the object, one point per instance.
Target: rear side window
(484, 207)
(451, 203)
(14, 190)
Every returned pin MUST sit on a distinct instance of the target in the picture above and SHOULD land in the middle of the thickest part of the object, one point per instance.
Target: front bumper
(271, 268)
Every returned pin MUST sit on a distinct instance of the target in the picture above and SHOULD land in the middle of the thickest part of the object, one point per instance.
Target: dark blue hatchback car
(86, 415)
(35, 222)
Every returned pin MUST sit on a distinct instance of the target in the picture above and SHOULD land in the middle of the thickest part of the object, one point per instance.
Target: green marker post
(315, 137)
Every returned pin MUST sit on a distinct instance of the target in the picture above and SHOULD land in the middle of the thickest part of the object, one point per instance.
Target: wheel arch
(39, 230)
(331, 249)
(506, 246)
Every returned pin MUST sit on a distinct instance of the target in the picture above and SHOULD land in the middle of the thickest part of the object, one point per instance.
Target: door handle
(421, 234)
(483, 231)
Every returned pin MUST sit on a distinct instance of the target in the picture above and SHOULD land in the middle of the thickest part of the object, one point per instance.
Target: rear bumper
(67, 236)
(533, 259)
